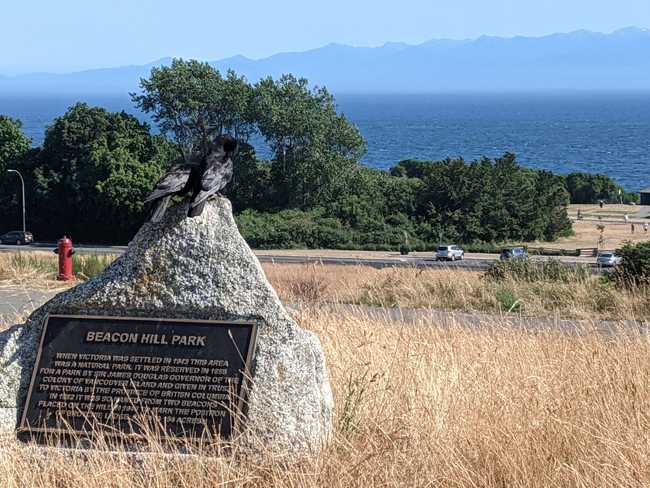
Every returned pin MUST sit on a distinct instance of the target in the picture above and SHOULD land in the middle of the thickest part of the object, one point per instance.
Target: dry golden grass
(438, 288)
(456, 290)
(31, 269)
(586, 234)
(614, 210)
(426, 406)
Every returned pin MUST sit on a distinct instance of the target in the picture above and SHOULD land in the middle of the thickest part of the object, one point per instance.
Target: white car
(608, 259)
(449, 253)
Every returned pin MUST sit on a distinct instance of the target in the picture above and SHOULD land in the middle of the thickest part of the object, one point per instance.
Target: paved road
(472, 261)
(14, 303)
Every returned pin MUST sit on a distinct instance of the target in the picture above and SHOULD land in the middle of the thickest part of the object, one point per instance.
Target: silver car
(449, 253)
(608, 259)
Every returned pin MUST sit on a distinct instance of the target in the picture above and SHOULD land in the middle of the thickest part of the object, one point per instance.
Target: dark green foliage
(314, 147)
(192, 102)
(592, 188)
(13, 143)
(541, 251)
(634, 269)
(13, 147)
(251, 185)
(293, 229)
(489, 201)
(92, 174)
(313, 229)
(535, 271)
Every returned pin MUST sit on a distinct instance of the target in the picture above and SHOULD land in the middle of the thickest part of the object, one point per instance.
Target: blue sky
(66, 35)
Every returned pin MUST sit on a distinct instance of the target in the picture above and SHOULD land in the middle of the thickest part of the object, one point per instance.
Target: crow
(201, 179)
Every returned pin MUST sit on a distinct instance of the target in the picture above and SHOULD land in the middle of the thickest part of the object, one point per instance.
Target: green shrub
(484, 247)
(507, 300)
(634, 269)
(533, 271)
(540, 251)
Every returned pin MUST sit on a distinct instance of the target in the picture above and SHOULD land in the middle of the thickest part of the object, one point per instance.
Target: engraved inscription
(187, 376)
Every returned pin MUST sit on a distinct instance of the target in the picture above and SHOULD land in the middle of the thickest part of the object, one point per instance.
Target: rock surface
(197, 268)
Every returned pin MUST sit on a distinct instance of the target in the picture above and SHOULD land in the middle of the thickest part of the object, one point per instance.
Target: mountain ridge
(580, 59)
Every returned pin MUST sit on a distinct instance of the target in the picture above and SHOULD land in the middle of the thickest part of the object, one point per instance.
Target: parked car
(514, 254)
(449, 253)
(608, 259)
(17, 237)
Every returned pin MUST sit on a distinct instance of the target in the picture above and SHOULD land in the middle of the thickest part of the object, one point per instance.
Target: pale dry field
(612, 210)
(617, 232)
(423, 406)
(446, 289)
(436, 288)
(586, 234)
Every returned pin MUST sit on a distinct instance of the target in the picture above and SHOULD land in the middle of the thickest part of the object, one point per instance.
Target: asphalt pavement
(472, 261)
(17, 302)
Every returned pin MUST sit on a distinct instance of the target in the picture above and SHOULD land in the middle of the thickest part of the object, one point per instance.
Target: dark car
(17, 237)
(514, 254)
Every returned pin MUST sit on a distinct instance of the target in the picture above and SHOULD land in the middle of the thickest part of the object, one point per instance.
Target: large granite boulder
(197, 268)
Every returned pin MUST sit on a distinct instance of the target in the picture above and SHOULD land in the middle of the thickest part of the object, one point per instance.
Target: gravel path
(15, 302)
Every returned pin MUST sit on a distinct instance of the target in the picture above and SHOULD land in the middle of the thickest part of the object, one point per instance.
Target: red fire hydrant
(65, 251)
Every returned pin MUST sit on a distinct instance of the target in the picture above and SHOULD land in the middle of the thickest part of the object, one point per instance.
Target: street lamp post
(22, 183)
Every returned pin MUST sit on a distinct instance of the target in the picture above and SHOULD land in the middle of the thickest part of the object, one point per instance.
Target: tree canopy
(193, 103)
(13, 143)
(91, 175)
(592, 188)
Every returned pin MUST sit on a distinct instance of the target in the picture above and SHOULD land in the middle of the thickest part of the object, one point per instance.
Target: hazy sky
(64, 35)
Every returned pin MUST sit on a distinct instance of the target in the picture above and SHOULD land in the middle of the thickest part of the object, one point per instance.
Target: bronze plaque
(188, 376)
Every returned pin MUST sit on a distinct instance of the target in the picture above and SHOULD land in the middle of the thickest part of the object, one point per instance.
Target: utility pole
(22, 183)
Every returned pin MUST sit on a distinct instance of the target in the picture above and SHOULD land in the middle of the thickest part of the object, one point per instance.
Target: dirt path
(16, 303)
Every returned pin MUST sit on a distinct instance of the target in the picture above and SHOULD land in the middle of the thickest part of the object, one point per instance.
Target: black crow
(201, 179)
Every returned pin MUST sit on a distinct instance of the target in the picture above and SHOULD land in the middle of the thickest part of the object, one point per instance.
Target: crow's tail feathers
(196, 210)
(158, 208)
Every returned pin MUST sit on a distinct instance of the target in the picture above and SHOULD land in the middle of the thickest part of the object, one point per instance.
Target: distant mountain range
(580, 60)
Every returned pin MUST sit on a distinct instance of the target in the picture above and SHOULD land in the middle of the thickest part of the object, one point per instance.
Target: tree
(93, 173)
(489, 201)
(634, 269)
(13, 147)
(250, 187)
(192, 101)
(591, 188)
(312, 144)
(13, 143)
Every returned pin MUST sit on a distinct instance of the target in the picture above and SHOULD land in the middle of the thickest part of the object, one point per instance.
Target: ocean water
(592, 132)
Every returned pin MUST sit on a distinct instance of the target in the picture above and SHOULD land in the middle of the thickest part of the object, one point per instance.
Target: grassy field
(420, 406)
(39, 269)
(578, 294)
(489, 405)
(611, 211)
(586, 234)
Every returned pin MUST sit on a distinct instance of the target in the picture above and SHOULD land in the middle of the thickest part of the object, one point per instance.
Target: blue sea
(562, 132)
